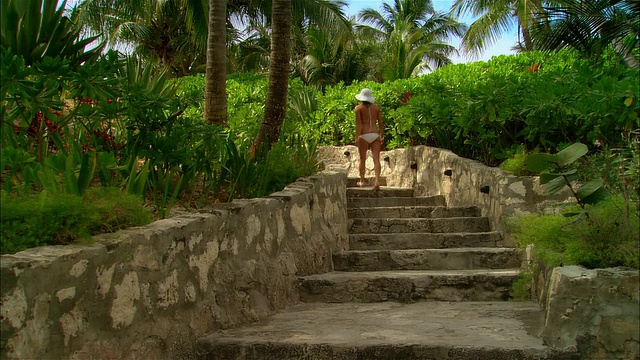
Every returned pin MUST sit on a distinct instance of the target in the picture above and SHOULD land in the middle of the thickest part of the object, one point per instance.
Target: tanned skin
(365, 125)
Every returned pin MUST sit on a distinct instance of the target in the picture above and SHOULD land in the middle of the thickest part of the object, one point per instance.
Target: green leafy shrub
(45, 219)
(477, 110)
(289, 159)
(618, 165)
(534, 101)
(515, 163)
(607, 238)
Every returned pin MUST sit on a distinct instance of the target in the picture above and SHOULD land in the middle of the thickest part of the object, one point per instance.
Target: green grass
(44, 219)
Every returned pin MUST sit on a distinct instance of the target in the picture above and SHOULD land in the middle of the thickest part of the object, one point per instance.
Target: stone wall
(597, 311)
(150, 292)
(433, 171)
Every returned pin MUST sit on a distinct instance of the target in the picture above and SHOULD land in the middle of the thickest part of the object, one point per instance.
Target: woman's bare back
(367, 116)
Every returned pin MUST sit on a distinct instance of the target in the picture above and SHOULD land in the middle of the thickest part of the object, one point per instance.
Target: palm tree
(215, 98)
(279, 69)
(332, 55)
(413, 36)
(497, 17)
(248, 50)
(158, 30)
(590, 26)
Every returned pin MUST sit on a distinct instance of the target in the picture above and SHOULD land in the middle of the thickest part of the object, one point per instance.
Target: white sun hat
(365, 95)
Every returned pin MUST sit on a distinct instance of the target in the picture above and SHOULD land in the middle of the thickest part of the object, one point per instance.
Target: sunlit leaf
(572, 153)
(628, 101)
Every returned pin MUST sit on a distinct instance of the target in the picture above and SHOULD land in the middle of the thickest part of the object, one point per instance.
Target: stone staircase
(420, 281)
(405, 248)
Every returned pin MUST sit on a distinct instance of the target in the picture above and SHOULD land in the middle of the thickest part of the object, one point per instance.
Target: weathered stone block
(596, 309)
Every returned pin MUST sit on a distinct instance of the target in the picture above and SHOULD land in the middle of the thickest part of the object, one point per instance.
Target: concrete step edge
(414, 273)
(458, 250)
(427, 259)
(402, 241)
(407, 219)
(423, 212)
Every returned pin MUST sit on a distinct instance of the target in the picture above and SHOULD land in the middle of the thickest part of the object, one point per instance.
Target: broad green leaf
(555, 185)
(571, 154)
(597, 196)
(546, 177)
(565, 173)
(540, 162)
(589, 188)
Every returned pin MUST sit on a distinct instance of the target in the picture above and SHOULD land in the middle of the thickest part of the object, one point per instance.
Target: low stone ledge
(596, 311)
(151, 291)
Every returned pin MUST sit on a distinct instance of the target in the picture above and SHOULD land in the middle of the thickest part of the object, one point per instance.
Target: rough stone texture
(413, 212)
(438, 225)
(408, 286)
(150, 292)
(423, 169)
(597, 310)
(359, 202)
(427, 259)
(425, 331)
(424, 240)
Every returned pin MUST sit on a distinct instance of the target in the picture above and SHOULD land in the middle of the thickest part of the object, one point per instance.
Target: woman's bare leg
(362, 149)
(375, 153)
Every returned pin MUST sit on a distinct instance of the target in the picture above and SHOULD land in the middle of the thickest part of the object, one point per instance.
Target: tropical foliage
(413, 37)
(487, 110)
(495, 18)
(34, 29)
(592, 27)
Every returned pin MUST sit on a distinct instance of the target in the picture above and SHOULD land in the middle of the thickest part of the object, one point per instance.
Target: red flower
(407, 96)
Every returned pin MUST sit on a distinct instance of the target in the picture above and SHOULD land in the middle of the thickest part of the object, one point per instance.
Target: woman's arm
(380, 124)
(358, 124)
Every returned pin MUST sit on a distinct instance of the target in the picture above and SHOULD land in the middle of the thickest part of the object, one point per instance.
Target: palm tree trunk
(279, 68)
(215, 98)
(526, 35)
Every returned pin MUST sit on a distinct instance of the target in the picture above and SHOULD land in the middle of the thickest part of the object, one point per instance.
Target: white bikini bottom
(370, 137)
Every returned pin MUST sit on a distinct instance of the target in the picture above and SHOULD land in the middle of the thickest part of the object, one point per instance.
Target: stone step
(360, 202)
(413, 212)
(424, 240)
(383, 331)
(427, 259)
(412, 225)
(368, 181)
(383, 192)
(408, 286)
